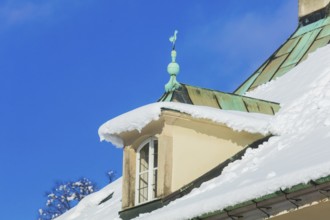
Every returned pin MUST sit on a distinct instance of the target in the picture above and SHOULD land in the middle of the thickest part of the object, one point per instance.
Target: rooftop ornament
(173, 68)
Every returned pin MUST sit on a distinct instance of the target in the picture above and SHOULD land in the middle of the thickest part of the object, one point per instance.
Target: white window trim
(151, 169)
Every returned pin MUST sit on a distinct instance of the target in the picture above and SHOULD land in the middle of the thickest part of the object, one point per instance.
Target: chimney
(307, 7)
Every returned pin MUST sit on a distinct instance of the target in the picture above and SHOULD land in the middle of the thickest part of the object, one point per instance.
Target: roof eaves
(274, 203)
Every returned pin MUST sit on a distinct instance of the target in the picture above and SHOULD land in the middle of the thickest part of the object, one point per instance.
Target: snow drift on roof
(298, 154)
(140, 117)
(90, 207)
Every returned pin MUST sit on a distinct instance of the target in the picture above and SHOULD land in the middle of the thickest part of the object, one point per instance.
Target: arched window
(146, 171)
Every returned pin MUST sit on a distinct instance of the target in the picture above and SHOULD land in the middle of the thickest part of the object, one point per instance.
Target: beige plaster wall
(308, 6)
(165, 157)
(187, 148)
(132, 141)
(199, 146)
(128, 184)
(320, 211)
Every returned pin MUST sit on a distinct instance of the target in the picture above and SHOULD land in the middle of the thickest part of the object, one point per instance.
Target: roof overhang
(122, 130)
(293, 199)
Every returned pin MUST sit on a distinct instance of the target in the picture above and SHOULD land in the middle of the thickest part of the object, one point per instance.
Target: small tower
(173, 68)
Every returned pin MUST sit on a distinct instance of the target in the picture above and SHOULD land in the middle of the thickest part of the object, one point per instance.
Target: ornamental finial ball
(173, 69)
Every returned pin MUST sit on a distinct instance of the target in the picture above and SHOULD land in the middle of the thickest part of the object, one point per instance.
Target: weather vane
(173, 68)
(173, 39)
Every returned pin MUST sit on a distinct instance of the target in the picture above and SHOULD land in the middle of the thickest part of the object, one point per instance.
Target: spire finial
(173, 68)
(173, 39)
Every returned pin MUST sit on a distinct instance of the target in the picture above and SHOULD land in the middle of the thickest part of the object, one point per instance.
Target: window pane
(147, 175)
(154, 185)
(144, 158)
(155, 153)
(143, 187)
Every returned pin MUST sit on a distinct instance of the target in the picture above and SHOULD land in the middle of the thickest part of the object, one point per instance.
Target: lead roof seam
(274, 71)
(247, 109)
(263, 66)
(216, 98)
(280, 66)
(300, 37)
(315, 38)
(292, 51)
(271, 58)
(266, 63)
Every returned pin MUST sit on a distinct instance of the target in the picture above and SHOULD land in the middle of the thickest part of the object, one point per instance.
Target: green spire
(173, 68)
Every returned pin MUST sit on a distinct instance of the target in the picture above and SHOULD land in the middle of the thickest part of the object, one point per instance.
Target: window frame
(151, 170)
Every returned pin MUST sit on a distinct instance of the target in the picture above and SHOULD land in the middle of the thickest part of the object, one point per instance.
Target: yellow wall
(308, 6)
(128, 184)
(200, 145)
(187, 148)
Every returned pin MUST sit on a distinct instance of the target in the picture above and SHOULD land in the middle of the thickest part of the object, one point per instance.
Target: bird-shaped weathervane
(173, 68)
(173, 39)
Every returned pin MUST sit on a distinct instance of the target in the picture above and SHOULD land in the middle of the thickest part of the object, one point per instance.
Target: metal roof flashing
(220, 100)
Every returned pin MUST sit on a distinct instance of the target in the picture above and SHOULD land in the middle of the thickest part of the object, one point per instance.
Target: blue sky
(66, 67)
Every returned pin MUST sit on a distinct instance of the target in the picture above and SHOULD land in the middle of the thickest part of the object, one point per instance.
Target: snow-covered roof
(138, 118)
(297, 155)
(90, 207)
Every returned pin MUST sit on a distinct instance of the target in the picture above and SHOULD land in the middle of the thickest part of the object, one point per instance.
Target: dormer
(195, 137)
(169, 145)
(191, 134)
(188, 132)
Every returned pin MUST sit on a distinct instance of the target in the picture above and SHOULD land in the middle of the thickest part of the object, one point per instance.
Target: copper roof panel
(269, 71)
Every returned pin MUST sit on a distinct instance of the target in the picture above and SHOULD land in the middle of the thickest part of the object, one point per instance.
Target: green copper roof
(216, 99)
(305, 40)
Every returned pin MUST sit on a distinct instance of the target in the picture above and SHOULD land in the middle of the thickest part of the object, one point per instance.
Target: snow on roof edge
(138, 118)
